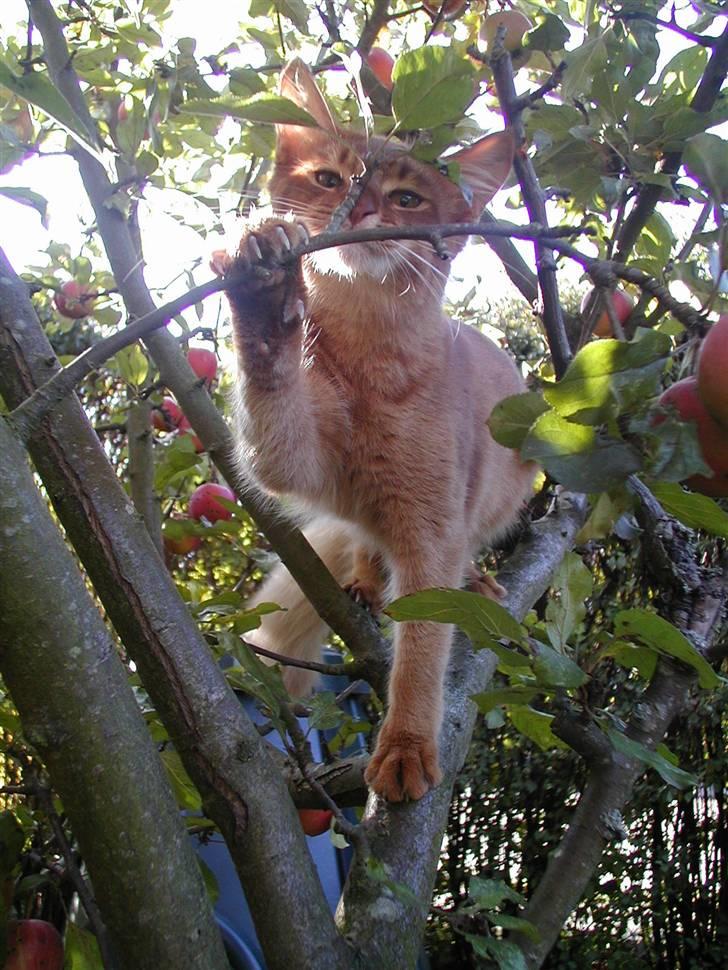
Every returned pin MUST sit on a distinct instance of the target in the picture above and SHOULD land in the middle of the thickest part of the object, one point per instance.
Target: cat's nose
(367, 205)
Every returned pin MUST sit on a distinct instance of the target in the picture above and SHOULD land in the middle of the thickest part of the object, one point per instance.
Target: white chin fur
(350, 261)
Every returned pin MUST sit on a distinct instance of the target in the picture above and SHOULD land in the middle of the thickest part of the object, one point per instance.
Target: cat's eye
(328, 180)
(406, 199)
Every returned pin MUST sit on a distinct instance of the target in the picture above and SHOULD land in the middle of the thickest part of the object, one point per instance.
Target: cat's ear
(484, 167)
(298, 85)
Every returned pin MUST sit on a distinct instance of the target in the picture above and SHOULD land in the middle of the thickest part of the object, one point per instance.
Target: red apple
(623, 305)
(203, 502)
(381, 64)
(314, 821)
(182, 545)
(33, 944)
(184, 427)
(74, 300)
(516, 24)
(712, 438)
(713, 371)
(168, 415)
(203, 363)
(450, 8)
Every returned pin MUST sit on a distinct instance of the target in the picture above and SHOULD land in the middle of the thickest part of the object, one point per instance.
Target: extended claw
(254, 249)
(283, 238)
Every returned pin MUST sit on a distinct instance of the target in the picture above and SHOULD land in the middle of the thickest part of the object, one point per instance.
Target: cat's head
(313, 172)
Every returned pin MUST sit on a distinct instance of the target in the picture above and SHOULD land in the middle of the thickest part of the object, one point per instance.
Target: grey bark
(406, 839)
(221, 749)
(62, 670)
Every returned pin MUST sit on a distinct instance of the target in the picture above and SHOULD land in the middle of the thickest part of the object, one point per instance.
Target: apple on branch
(203, 502)
(713, 371)
(74, 300)
(203, 362)
(684, 397)
(621, 301)
(381, 64)
(315, 821)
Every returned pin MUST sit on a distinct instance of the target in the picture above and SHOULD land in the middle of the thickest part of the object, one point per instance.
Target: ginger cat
(361, 400)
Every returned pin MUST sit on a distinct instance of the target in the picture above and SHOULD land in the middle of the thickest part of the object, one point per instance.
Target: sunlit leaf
(432, 86)
(661, 636)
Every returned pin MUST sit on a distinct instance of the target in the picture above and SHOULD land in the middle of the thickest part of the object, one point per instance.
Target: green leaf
(325, 712)
(38, 89)
(178, 458)
(633, 749)
(81, 949)
(503, 696)
(432, 86)
(553, 669)
(583, 65)
(631, 656)
(516, 923)
(610, 375)
(30, 198)
(512, 418)
(661, 636)
(535, 725)
(482, 620)
(210, 880)
(271, 109)
(131, 364)
(506, 954)
(574, 583)
(574, 455)
(185, 792)
(551, 34)
(706, 157)
(696, 511)
(489, 893)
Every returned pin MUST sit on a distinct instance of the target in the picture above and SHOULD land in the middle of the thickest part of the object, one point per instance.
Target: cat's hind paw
(366, 594)
(404, 766)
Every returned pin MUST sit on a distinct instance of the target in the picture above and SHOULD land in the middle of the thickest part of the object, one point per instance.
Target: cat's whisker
(426, 284)
(412, 251)
(404, 252)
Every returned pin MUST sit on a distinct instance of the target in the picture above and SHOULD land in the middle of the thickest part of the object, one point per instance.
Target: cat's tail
(299, 631)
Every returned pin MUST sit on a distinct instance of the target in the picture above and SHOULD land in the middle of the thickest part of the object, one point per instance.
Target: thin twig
(353, 669)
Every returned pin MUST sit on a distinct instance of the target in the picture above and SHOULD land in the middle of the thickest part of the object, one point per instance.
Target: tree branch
(535, 202)
(696, 600)
(650, 194)
(406, 838)
(60, 664)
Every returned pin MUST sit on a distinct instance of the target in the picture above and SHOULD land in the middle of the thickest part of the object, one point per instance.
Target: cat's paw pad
(261, 258)
(404, 765)
(366, 594)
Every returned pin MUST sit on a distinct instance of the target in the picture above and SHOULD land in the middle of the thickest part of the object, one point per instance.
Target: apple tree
(130, 546)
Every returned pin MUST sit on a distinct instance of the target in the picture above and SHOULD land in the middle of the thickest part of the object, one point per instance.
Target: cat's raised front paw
(403, 766)
(267, 285)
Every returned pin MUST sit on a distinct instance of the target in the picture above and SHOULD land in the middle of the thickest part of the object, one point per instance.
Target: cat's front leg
(291, 422)
(266, 298)
(405, 763)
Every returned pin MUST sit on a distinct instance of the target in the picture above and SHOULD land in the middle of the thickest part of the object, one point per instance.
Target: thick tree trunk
(62, 670)
(242, 790)
(386, 926)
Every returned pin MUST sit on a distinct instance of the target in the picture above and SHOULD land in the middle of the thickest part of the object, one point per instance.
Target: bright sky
(169, 246)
